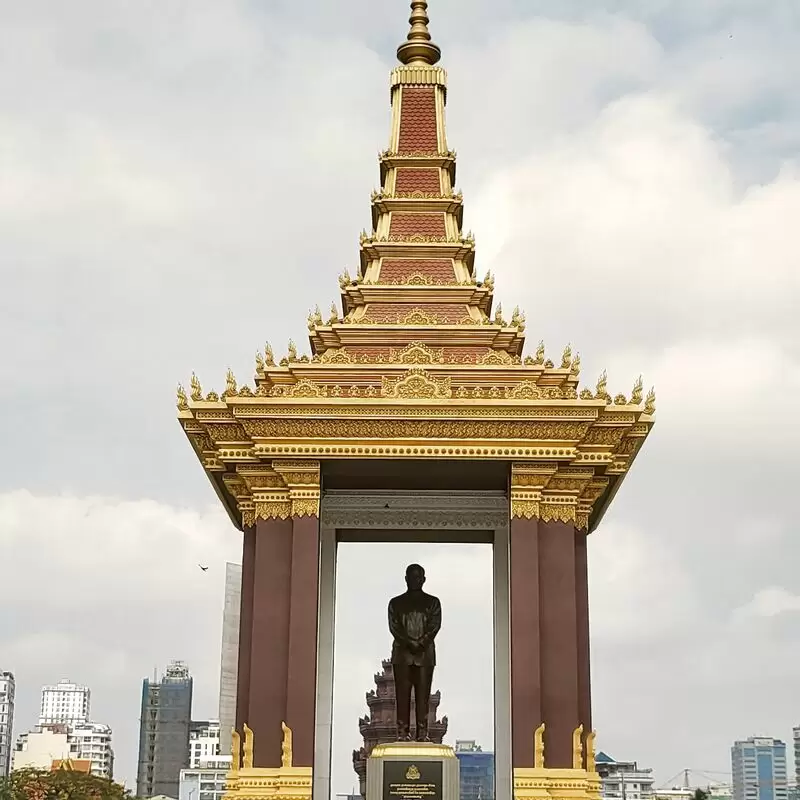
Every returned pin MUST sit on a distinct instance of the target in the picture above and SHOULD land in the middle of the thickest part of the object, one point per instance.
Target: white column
(503, 772)
(323, 721)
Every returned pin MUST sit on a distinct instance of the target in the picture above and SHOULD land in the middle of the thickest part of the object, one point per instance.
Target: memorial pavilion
(416, 415)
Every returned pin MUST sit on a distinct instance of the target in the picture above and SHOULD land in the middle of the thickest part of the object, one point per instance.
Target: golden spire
(418, 47)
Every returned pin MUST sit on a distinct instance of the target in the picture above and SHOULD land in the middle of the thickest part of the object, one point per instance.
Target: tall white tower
(65, 702)
(7, 688)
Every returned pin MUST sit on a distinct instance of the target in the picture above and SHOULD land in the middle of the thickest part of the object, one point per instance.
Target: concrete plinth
(412, 771)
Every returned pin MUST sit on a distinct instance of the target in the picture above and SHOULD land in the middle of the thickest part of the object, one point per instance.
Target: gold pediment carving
(417, 353)
(336, 355)
(495, 357)
(415, 385)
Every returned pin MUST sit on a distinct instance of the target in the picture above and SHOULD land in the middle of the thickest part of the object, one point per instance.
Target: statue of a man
(414, 620)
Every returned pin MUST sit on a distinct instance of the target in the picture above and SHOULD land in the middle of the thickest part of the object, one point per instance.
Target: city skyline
(629, 168)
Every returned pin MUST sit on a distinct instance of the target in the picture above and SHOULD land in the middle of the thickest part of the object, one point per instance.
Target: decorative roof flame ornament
(197, 389)
(591, 764)
(602, 387)
(230, 383)
(538, 747)
(334, 317)
(566, 358)
(575, 368)
(638, 388)
(183, 403)
(650, 402)
(418, 47)
(286, 746)
(539, 357)
(269, 357)
(247, 762)
(577, 748)
(236, 750)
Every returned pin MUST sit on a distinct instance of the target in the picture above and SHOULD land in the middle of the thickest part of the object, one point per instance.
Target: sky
(183, 181)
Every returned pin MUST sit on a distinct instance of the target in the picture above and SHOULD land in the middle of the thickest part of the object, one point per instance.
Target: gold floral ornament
(620, 400)
(417, 384)
(197, 390)
(183, 402)
(539, 357)
(650, 402)
(566, 358)
(636, 395)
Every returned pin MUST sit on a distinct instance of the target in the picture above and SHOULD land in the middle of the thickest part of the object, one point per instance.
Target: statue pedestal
(412, 771)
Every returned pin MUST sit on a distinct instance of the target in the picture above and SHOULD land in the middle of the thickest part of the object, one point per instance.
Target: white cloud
(770, 602)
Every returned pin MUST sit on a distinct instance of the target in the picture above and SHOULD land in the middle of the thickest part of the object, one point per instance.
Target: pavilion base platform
(246, 782)
(255, 783)
(540, 783)
(413, 771)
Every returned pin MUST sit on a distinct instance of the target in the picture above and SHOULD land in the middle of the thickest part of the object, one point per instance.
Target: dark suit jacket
(414, 621)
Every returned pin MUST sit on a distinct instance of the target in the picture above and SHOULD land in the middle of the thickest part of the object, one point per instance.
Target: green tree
(60, 784)
(700, 794)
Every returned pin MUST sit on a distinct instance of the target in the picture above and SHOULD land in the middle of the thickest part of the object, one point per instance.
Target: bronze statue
(414, 620)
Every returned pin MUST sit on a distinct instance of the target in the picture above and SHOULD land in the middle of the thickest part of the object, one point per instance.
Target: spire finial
(418, 47)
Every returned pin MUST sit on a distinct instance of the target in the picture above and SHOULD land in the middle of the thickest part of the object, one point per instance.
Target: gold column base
(255, 783)
(555, 784)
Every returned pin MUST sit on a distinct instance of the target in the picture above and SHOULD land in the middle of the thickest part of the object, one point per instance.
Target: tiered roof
(419, 362)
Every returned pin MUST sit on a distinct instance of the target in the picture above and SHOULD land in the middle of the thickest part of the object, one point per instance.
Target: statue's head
(415, 577)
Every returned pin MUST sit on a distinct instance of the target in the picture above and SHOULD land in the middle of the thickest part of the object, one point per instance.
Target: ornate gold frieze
(413, 429)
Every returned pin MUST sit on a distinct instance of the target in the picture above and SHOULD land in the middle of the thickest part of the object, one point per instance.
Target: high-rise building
(229, 661)
(623, 779)
(206, 781)
(203, 742)
(56, 742)
(91, 741)
(759, 769)
(796, 738)
(476, 771)
(164, 732)
(65, 702)
(7, 689)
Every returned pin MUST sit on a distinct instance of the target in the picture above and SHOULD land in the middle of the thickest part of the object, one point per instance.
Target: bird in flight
(205, 569)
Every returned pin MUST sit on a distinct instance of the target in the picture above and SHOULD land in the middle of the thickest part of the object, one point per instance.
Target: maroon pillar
(526, 687)
(269, 648)
(559, 640)
(302, 657)
(582, 613)
(245, 626)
